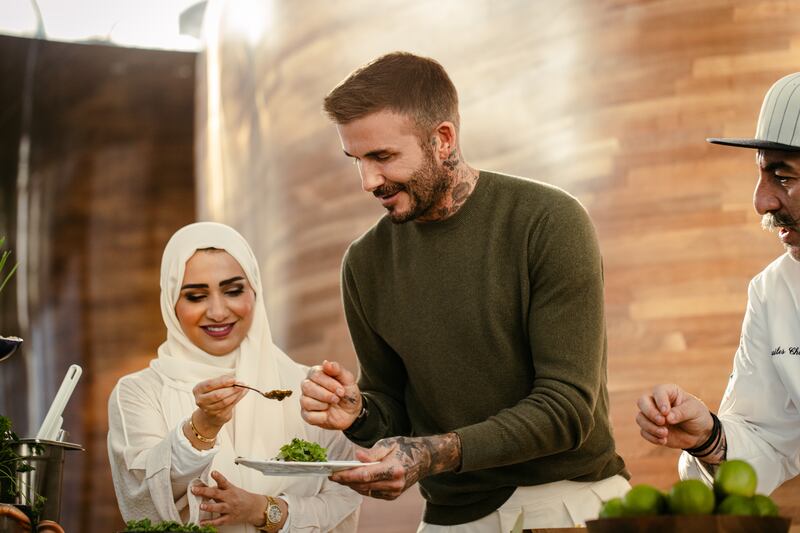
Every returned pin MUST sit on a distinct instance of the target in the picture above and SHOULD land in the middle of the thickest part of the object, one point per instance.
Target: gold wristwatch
(272, 515)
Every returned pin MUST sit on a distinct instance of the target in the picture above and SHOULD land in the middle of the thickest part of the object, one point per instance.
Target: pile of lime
(734, 493)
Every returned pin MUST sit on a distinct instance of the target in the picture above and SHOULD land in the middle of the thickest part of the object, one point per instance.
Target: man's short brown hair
(401, 82)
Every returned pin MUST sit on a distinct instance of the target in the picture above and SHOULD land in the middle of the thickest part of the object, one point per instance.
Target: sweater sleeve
(382, 376)
(566, 332)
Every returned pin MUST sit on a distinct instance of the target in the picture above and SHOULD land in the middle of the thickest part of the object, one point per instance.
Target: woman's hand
(215, 399)
(234, 505)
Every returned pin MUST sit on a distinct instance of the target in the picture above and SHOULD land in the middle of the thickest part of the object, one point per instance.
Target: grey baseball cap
(779, 121)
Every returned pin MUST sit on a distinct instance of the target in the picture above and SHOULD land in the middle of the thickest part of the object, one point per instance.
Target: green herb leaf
(302, 450)
(12, 464)
(145, 525)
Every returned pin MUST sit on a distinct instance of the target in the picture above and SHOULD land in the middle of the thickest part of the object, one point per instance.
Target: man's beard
(425, 188)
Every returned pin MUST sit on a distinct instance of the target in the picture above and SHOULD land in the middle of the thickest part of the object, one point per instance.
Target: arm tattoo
(426, 456)
(445, 453)
(411, 454)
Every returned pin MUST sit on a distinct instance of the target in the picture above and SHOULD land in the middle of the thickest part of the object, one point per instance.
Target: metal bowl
(8, 345)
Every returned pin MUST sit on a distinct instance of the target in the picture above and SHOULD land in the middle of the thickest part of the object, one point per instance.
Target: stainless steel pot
(47, 459)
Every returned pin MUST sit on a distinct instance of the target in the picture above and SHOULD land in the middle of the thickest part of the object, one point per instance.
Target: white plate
(297, 468)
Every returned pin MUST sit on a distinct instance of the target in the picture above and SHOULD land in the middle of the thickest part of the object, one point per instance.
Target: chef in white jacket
(759, 417)
(176, 427)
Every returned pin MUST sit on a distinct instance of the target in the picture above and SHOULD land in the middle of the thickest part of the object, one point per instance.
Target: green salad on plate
(302, 451)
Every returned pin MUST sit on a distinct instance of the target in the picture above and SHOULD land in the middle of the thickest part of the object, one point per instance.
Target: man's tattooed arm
(422, 456)
(426, 456)
(403, 462)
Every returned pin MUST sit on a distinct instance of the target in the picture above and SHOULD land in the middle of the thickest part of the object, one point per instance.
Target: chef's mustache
(773, 221)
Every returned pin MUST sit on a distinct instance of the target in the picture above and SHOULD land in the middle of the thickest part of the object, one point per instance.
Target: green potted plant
(8, 345)
(11, 464)
(146, 526)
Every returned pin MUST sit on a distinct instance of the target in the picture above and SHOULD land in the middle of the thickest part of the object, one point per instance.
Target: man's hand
(674, 418)
(403, 462)
(331, 398)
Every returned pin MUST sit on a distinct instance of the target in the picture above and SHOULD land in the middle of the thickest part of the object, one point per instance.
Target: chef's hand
(671, 417)
(215, 399)
(234, 505)
(330, 397)
(402, 462)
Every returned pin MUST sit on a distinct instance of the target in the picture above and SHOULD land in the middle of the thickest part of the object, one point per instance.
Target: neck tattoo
(462, 182)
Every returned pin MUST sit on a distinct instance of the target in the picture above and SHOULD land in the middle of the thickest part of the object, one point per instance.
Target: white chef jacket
(760, 410)
(153, 463)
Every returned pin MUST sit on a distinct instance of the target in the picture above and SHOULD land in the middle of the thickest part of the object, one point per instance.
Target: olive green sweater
(489, 324)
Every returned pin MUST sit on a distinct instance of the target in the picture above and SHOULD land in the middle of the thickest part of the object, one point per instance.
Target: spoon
(277, 394)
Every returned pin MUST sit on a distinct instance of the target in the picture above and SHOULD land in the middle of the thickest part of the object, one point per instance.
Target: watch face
(274, 514)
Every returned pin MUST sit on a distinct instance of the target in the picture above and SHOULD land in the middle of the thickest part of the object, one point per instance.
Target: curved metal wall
(109, 178)
(610, 99)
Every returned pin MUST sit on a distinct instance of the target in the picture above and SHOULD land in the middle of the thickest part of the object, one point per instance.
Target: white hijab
(260, 426)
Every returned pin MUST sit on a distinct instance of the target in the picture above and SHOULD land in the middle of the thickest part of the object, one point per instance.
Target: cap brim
(756, 144)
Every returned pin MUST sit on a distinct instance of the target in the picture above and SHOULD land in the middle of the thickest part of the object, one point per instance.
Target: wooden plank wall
(610, 99)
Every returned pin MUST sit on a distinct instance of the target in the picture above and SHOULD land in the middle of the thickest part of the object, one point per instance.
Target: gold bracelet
(197, 433)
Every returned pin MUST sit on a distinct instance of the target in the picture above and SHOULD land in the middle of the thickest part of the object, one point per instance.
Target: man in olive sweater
(476, 310)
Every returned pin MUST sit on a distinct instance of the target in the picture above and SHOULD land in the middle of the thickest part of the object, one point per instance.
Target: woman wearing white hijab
(172, 424)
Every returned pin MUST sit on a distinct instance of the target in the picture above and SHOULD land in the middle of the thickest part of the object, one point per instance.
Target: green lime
(613, 508)
(765, 505)
(691, 496)
(735, 477)
(737, 504)
(643, 500)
